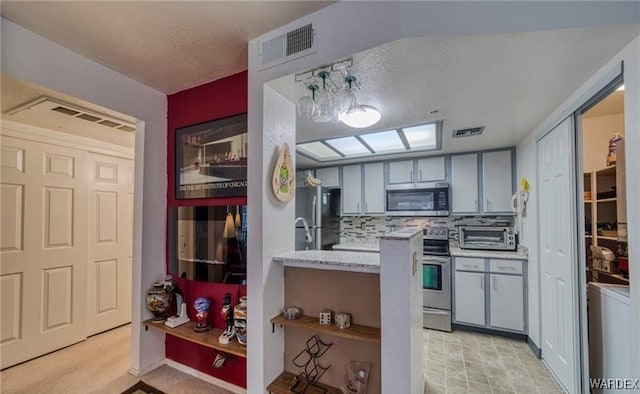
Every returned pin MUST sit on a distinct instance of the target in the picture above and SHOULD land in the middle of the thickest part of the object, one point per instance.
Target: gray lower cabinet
(490, 293)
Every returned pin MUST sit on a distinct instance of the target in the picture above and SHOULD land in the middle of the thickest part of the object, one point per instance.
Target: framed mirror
(208, 243)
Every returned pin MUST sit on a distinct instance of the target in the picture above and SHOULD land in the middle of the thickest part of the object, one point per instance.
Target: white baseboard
(139, 372)
(203, 376)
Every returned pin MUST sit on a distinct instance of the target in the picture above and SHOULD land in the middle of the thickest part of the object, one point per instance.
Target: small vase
(159, 300)
(240, 321)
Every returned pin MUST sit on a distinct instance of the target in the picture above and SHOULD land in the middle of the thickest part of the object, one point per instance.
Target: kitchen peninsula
(385, 324)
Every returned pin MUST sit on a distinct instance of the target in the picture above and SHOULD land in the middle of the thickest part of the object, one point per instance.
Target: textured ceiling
(508, 82)
(169, 46)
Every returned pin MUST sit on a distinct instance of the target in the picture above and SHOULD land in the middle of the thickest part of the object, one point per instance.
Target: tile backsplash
(368, 229)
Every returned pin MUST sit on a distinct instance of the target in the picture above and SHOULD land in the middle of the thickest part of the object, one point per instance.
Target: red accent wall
(214, 100)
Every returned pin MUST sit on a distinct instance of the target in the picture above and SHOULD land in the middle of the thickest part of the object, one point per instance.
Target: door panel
(43, 260)
(11, 287)
(374, 188)
(497, 181)
(110, 243)
(12, 217)
(401, 171)
(559, 304)
(464, 183)
(351, 189)
(469, 297)
(507, 302)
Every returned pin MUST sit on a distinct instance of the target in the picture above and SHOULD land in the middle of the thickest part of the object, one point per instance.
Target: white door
(431, 169)
(497, 181)
(374, 188)
(557, 229)
(401, 171)
(44, 248)
(464, 183)
(469, 305)
(351, 189)
(110, 243)
(506, 298)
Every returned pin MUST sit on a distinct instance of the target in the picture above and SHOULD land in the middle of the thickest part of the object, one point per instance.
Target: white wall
(597, 131)
(526, 167)
(343, 29)
(271, 232)
(526, 164)
(29, 57)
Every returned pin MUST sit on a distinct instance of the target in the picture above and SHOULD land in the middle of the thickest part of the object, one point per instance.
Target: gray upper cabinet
(464, 183)
(329, 176)
(497, 181)
(401, 171)
(374, 188)
(351, 189)
(429, 169)
(358, 178)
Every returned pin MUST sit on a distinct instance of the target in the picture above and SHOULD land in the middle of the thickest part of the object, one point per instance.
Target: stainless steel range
(436, 279)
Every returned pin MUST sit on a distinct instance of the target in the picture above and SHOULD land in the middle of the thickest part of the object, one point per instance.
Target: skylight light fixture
(620, 88)
(420, 138)
(331, 101)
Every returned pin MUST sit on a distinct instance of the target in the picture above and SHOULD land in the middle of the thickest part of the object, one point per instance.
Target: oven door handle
(433, 311)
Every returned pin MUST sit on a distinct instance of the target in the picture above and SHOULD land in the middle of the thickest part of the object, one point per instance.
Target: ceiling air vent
(470, 132)
(288, 46)
(41, 108)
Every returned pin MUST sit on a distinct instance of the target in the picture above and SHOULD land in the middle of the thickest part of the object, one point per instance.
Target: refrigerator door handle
(314, 214)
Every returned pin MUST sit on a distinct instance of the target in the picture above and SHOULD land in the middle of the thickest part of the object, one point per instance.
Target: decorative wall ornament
(284, 176)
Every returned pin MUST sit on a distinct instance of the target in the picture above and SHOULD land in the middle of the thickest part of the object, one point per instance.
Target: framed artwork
(211, 159)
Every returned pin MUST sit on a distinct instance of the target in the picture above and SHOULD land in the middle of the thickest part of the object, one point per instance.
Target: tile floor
(466, 362)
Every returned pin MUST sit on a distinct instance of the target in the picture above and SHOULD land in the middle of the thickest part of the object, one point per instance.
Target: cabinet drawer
(506, 266)
(469, 264)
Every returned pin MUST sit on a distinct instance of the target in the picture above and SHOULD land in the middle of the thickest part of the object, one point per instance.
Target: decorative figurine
(229, 334)
(240, 320)
(201, 305)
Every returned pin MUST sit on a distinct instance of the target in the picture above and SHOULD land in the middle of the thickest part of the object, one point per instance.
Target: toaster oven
(487, 238)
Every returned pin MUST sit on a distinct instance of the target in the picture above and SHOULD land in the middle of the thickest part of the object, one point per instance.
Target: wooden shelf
(612, 199)
(588, 201)
(356, 331)
(607, 238)
(282, 383)
(208, 339)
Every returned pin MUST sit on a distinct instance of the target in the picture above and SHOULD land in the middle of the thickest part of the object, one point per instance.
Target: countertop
(331, 260)
(520, 254)
(358, 247)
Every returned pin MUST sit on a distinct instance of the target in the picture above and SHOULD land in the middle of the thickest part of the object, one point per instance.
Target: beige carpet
(98, 366)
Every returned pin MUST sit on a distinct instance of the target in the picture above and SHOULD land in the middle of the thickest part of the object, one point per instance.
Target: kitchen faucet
(307, 233)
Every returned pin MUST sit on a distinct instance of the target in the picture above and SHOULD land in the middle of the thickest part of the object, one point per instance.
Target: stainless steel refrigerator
(320, 207)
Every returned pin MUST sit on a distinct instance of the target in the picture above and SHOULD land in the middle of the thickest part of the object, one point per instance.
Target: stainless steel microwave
(487, 237)
(428, 199)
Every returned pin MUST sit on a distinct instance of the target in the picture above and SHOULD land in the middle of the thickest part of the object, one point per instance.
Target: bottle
(611, 157)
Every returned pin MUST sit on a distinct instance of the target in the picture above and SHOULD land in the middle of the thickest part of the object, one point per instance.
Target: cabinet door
(431, 169)
(329, 176)
(507, 302)
(374, 188)
(351, 189)
(469, 294)
(497, 181)
(300, 177)
(401, 171)
(464, 183)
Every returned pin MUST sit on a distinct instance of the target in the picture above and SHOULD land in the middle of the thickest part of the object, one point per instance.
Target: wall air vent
(288, 46)
(470, 132)
(44, 107)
